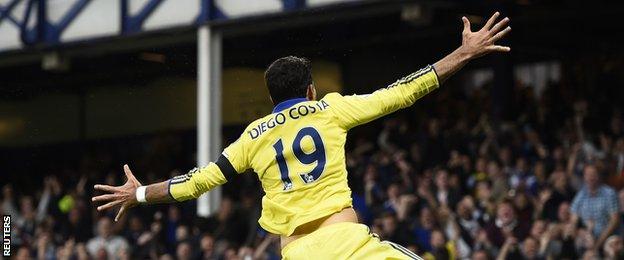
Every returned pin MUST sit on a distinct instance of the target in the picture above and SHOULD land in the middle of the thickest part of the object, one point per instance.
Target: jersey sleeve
(360, 109)
(197, 181)
(236, 154)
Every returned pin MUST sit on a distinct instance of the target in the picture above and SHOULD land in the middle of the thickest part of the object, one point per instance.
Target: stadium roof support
(209, 53)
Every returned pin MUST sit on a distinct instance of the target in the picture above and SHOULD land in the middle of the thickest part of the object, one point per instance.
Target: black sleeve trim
(411, 77)
(226, 167)
(436, 73)
(169, 190)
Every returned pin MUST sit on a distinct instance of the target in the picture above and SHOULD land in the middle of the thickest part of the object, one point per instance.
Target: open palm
(484, 41)
(123, 195)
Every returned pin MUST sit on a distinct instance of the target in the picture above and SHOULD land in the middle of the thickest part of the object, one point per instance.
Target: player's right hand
(124, 195)
(479, 43)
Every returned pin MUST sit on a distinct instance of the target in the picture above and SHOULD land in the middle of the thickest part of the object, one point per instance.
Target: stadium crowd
(445, 179)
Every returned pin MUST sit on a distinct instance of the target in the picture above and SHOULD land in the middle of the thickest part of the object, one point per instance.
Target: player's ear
(311, 93)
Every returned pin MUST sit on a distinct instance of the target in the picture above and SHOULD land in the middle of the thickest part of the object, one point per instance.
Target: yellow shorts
(344, 241)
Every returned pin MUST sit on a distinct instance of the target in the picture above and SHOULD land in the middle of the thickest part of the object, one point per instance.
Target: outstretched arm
(125, 195)
(179, 188)
(188, 186)
(359, 109)
(474, 45)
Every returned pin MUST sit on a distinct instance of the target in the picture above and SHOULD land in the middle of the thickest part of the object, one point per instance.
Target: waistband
(323, 232)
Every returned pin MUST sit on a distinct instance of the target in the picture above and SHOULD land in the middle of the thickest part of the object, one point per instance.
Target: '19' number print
(318, 156)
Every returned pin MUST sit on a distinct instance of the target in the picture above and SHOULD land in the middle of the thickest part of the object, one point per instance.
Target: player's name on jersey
(294, 113)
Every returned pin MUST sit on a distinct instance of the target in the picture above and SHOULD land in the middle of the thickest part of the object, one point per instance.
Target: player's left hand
(124, 195)
(481, 42)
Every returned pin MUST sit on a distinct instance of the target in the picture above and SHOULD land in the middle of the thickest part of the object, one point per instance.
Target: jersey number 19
(318, 156)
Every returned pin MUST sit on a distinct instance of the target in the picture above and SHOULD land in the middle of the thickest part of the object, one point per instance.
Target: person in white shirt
(112, 244)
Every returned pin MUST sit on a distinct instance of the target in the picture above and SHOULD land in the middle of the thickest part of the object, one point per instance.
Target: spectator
(457, 182)
(480, 255)
(106, 244)
(439, 247)
(596, 205)
(226, 225)
(506, 225)
(445, 195)
(76, 227)
(613, 248)
(392, 231)
(206, 246)
(424, 228)
(184, 251)
(530, 248)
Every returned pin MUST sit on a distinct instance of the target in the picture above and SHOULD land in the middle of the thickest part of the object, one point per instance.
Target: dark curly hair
(288, 77)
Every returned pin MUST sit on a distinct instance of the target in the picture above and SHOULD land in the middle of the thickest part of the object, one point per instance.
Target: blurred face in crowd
(521, 201)
(426, 218)
(105, 227)
(110, 178)
(225, 210)
(370, 174)
(530, 247)
(166, 257)
(504, 155)
(590, 255)
(393, 191)
(136, 224)
(245, 252)
(384, 159)
(493, 170)
(465, 208)
(81, 251)
(22, 253)
(619, 145)
(7, 191)
(101, 254)
(437, 239)
(207, 243)
(123, 254)
(389, 224)
(505, 213)
(173, 213)
(613, 246)
(454, 182)
(480, 165)
(521, 165)
(539, 171)
(480, 255)
(591, 177)
(483, 191)
(558, 153)
(182, 233)
(26, 208)
(415, 153)
(559, 181)
(74, 216)
(433, 127)
(183, 252)
(230, 254)
(441, 179)
(538, 228)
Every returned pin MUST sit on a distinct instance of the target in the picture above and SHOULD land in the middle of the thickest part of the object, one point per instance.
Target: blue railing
(43, 32)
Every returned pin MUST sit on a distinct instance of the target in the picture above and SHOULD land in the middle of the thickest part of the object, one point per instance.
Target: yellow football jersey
(298, 152)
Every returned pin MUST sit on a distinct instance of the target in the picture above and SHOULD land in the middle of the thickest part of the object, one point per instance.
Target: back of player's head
(288, 77)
